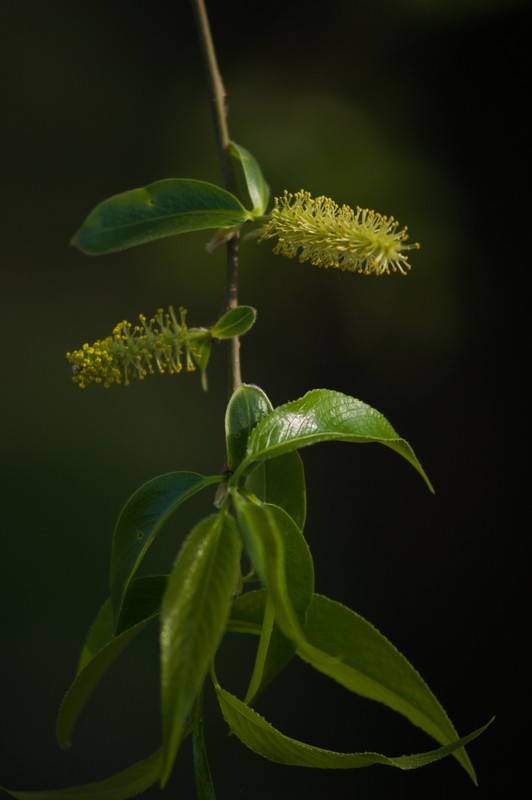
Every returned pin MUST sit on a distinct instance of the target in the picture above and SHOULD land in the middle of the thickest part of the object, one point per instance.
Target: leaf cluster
(260, 514)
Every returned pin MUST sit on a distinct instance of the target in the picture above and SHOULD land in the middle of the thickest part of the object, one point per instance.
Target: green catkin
(135, 351)
(328, 235)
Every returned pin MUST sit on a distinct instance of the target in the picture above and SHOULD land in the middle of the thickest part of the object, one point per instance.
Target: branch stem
(219, 109)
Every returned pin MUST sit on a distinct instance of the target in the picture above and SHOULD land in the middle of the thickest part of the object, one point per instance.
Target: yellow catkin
(328, 235)
(134, 351)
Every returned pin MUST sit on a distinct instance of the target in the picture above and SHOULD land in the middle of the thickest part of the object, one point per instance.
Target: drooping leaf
(251, 177)
(287, 562)
(193, 617)
(281, 482)
(102, 648)
(234, 323)
(269, 535)
(140, 521)
(130, 782)
(247, 406)
(323, 415)
(347, 648)
(164, 208)
(268, 742)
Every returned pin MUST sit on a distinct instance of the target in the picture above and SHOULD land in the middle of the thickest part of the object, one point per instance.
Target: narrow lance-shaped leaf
(262, 531)
(282, 558)
(140, 521)
(323, 415)
(268, 742)
(193, 617)
(347, 648)
(102, 647)
(130, 782)
(339, 643)
(164, 208)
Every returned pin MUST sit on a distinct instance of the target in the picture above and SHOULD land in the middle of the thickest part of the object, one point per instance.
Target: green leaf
(164, 208)
(287, 562)
(247, 406)
(234, 323)
(281, 559)
(281, 482)
(132, 781)
(247, 611)
(140, 521)
(193, 617)
(347, 648)
(142, 601)
(102, 648)
(323, 415)
(249, 174)
(265, 740)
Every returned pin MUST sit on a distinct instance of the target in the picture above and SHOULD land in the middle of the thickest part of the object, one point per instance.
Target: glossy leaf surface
(250, 174)
(140, 521)
(323, 415)
(102, 648)
(193, 617)
(247, 406)
(164, 208)
(234, 323)
(130, 782)
(268, 742)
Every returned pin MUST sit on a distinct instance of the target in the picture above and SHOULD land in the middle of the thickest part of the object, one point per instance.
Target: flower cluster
(328, 235)
(135, 351)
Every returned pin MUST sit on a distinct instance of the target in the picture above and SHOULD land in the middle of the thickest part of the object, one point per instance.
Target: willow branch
(219, 109)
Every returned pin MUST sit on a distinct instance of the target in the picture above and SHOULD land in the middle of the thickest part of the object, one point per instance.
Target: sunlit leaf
(323, 415)
(164, 208)
(268, 742)
(283, 561)
(269, 534)
(347, 648)
(193, 617)
(140, 521)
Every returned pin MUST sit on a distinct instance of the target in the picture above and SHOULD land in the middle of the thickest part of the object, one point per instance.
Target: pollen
(327, 235)
(135, 351)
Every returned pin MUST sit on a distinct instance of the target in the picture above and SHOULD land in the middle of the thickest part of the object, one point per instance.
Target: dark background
(416, 109)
